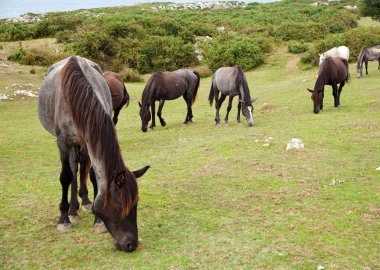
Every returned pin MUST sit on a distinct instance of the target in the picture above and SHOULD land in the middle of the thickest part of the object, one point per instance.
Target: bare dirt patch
(292, 63)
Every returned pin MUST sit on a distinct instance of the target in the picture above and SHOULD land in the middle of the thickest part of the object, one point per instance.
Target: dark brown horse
(119, 93)
(168, 86)
(75, 106)
(333, 71)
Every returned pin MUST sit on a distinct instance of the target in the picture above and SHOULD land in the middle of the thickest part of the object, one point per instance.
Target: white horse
(341, 51)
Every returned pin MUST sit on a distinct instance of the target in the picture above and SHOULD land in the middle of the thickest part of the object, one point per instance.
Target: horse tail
(212, 93)
(196, 87)
(345, 62)
(126, 97)
(95, 128)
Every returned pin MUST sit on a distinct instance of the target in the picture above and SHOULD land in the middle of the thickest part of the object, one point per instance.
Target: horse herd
(75, 105)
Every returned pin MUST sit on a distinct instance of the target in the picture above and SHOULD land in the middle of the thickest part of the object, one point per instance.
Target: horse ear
(140, 172)
(140, 104)
(311, 91)
(253, 100)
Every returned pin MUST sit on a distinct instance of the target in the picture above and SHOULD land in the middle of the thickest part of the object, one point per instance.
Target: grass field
(214, 198)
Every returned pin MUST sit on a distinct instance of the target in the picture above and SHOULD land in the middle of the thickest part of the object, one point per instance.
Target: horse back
(116, 87)
(225, 79)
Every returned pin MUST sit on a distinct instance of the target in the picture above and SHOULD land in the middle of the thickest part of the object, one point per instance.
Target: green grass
(213, 198)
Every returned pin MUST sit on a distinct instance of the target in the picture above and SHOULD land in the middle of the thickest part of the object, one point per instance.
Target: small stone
(320, 267)
(295, 144)
(266, 144)
(378, 169)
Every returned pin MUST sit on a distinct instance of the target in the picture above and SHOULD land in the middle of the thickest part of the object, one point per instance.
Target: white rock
(295, 143)
(266, 144)
(378, 169)
(3, 96)
(25, 93)
(320, 267)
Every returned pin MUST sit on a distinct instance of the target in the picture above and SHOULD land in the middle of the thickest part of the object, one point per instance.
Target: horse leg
(74, 204)
(335, 94)
(160, 106)
(84, 170)
(65, 178)
(228, 109)
(379, 65)
(218, 105)
(366, 67)
(99, 226)
(115, 116)
(340, 90)
(189, 114)
(239, 109)
(153, 124)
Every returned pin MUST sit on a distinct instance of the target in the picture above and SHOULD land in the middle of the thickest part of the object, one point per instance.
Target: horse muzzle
(127, 247)
(144, 129)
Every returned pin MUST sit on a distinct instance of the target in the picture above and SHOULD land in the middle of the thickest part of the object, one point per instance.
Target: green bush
(36, 57)
(297, 47)
(235, 50)
(66, 36)
(129, 75)
(371, 8)
(204, 71)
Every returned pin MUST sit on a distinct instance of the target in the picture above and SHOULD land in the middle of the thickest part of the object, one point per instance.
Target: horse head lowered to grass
(75, 106)
(333, 71)
(163, 86)
(231, 81)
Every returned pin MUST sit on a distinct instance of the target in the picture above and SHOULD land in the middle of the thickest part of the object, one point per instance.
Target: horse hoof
(100, 228)
(226, 124)
(73, 218)
(163, 124)
(63, 227)
(86, 207)
(218, 125)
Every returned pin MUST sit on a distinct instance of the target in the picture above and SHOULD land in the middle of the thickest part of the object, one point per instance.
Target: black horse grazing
(231, 81)
(168, 86)
(333, 71)
(75, 106)
(367, 54)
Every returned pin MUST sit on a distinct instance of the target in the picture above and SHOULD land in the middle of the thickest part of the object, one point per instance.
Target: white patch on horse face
(250, 113)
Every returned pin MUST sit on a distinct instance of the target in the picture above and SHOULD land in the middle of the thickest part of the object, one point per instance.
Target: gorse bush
(235, 50)
(297, 47)
(36, 57)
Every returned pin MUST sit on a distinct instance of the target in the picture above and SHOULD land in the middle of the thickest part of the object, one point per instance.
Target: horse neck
(361, 57)
(244, 90)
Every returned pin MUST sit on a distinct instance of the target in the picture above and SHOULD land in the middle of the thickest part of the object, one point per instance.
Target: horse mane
(322, 73)
(146, 94)
(196, 87)
(241, 79)
(96, 128)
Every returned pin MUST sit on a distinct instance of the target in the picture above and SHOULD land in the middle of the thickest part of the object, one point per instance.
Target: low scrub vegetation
(146, 40)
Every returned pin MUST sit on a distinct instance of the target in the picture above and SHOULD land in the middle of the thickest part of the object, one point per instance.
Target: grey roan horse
(367, 54)
(231, 81)
(75, 106)
(333, 71)
(168, 86)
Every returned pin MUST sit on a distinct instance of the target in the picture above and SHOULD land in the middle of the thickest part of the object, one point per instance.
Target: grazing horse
(75, 106)
(168, 86)
(231, 81)
(341, 51)
(333, 71)
(119, 93)
(367, 54)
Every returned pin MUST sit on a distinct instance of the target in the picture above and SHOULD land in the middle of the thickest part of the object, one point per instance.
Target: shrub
(235, 50)
(371, 8)
(36, 57)
(129, 75)
(204, 71)
(66, 36)
(297, 47)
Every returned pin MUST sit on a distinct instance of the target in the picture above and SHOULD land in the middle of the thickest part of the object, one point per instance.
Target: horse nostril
(130, 247)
